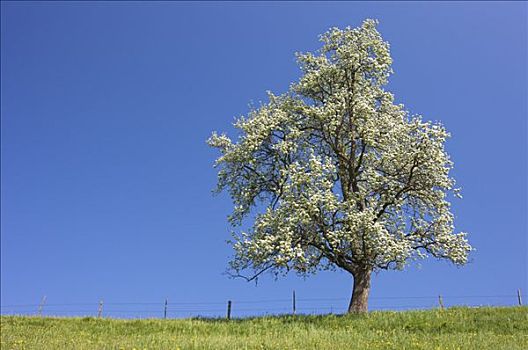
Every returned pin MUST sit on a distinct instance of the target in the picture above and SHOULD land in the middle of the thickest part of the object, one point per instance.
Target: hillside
(453, 328)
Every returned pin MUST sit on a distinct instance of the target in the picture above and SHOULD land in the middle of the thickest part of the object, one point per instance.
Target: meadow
(452, 328)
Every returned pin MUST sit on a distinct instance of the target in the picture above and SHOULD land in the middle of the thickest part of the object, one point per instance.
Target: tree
(338, 175)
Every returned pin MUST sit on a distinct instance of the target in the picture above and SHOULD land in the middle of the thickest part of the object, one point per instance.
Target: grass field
(453, 328)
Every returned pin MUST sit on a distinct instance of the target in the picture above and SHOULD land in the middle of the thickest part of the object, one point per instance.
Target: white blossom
(345, 176)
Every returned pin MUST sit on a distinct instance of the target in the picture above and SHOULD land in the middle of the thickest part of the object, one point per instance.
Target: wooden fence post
(229, 309)
(100, 309)
(519, 299)
(41, 306)
(294, 306)
(165, 310)
(441, 301)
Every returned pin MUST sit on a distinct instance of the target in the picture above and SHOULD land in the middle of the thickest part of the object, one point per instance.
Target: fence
(246, 308)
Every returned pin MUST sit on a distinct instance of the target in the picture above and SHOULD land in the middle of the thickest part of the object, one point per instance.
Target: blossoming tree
(338, 175)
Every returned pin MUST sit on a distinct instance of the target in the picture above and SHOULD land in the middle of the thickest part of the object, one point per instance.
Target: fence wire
(248, 308)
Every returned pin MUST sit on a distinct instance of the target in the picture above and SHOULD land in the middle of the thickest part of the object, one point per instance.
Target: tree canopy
(338, 174)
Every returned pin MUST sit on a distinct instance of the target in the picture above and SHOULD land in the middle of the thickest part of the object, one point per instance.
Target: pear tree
(334, 174)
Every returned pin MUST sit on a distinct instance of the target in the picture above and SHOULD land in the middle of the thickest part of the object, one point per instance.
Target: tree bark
(360, 292)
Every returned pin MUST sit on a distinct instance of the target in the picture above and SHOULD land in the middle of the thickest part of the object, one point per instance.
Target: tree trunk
(360, 292)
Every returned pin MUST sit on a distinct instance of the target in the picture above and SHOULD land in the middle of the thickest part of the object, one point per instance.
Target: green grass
(453, 328)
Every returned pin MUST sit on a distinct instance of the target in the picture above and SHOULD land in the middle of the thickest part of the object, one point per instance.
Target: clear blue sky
(106, 177)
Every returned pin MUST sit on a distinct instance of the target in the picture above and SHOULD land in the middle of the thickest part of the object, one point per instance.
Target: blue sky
(106, 177)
